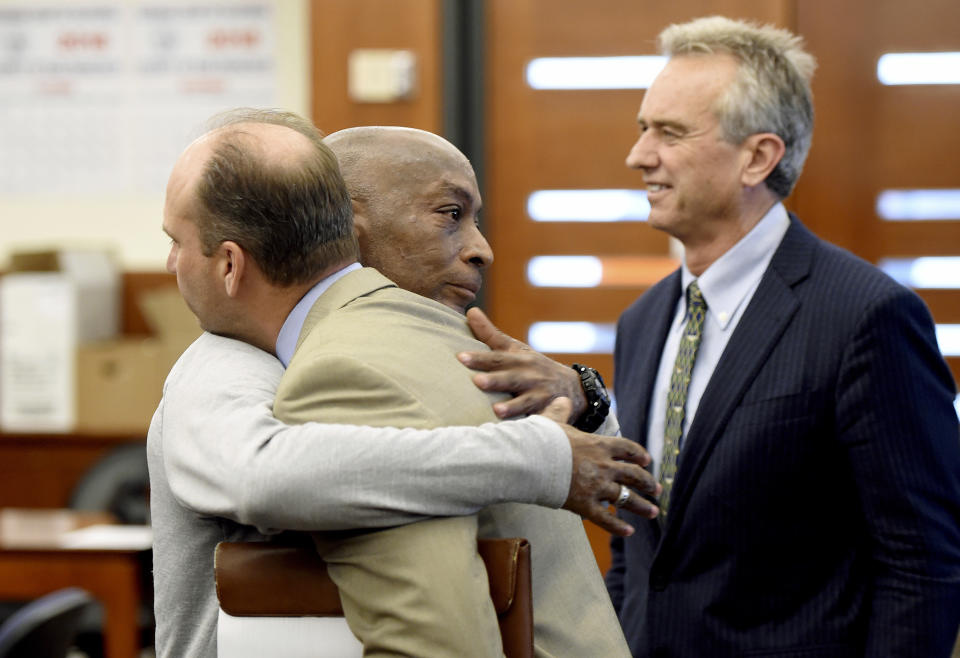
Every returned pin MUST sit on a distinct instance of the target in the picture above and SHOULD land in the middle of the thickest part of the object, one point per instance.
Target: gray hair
(771, 92)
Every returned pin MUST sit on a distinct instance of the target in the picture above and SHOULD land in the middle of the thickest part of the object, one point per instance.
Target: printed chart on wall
(99, 98)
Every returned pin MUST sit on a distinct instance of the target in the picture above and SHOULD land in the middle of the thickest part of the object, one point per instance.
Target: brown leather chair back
(275, 579)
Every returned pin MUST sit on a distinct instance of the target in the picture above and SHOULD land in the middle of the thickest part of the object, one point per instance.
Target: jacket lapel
(346, 289)
(767, 316)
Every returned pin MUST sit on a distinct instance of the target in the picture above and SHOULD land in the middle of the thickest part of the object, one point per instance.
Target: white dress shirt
(727, 286)
(290, 331)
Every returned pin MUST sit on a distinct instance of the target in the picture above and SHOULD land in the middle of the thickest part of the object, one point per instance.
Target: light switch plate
(381, 75)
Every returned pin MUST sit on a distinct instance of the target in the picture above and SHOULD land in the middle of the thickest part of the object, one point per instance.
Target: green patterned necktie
(677, 395)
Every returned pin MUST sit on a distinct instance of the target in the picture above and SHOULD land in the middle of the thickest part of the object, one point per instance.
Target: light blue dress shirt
(727, 286)
(290, 331)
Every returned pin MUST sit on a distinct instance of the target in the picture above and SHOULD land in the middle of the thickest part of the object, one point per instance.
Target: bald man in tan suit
(371, 353)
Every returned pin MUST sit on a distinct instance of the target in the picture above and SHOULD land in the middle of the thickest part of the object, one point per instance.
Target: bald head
(416, 205)
(368, 149)
(274, 146)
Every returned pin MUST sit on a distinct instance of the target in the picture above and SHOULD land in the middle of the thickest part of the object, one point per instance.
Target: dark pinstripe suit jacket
(816, 509)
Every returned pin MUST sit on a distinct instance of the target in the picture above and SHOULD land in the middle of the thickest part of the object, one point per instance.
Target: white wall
(130, 226)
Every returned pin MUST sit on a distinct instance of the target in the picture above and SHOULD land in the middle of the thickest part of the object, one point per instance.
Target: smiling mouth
(656, 187)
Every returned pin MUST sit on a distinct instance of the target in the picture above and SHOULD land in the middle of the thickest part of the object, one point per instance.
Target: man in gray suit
(210, 484)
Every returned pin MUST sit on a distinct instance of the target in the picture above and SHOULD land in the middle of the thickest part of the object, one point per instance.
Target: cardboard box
(95, 279)
(37, 340)
(50, 302)
(63, 367)
(118, 385)
(120, 382)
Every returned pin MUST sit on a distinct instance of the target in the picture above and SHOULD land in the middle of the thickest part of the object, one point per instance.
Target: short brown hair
(293, 217)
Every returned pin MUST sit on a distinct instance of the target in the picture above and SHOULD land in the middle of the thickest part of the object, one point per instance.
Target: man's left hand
(513, 367)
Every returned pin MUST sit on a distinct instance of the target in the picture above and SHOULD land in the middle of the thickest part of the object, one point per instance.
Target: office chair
(45, 628)
(117, 483)
(273, 592)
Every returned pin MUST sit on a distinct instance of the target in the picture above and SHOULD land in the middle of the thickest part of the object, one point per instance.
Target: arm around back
(225, 455)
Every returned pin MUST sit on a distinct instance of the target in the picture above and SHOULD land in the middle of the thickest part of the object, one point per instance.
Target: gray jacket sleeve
(225, 455)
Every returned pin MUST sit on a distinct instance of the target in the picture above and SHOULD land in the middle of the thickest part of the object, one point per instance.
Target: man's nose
(477, 250)
(641, 155)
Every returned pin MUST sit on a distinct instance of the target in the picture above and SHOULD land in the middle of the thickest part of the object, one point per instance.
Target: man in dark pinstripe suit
(814, 478)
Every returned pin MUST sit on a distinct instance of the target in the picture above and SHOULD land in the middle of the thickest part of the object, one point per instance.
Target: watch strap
(598, 400)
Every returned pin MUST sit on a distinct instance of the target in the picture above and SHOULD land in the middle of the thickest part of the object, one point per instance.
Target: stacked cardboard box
(120, 381)
(63, 365)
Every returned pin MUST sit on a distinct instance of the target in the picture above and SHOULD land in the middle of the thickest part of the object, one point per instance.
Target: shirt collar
(729, 279)
(290, 331)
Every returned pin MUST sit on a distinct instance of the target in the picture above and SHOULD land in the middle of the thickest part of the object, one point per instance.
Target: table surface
(68, 530)
(42, 550)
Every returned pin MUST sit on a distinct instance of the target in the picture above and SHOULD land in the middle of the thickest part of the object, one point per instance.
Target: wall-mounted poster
(100, 97)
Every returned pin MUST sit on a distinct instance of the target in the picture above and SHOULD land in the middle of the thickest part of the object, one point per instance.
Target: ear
(764, 151)
(231, 266)
(361, 224)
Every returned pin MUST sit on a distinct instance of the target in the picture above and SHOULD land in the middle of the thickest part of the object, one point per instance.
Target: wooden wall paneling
(42, 470)
(870, 137)
(340, 26)
(551, 139)
(918, 238)
(918, 141)
(943, 304)
(834, 195)
(917, 144)
(598, 305)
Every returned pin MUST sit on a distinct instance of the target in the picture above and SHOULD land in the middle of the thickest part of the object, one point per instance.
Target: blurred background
(98, 98)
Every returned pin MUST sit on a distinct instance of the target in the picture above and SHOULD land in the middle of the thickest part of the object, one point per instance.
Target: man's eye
(454, 213)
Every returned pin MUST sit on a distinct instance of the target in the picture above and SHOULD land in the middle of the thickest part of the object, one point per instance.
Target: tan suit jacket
(373, 354)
